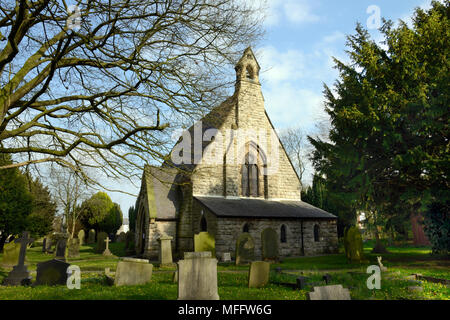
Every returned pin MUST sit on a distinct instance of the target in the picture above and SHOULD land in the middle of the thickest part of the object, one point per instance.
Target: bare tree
(69, 190)
(295, 144)
(99, 84)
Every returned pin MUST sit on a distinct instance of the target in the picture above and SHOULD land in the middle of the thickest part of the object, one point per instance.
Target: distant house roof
(125, 221)
(260, 208)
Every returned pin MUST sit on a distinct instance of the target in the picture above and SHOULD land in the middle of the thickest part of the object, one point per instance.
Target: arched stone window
(203, 224)
(249, 74)
(316, 233)
(245, 228)
(250, 178)
(283, 234)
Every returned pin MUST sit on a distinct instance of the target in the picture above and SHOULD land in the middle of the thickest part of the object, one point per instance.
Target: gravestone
(245, 249)
(11, 253)
(101, 244)
(61, 246)
(131, 271)
(44, 245)
(301, 282)
(51, 273)
(204, 241)
(197, 278)
(194, 255)
(73, 248)
(259, 274)
(165, 250)
(20, 274)
(226, 257)
(353, 245)
(130, 243)
(327, 278)
(122, 237)
(81, 236)
(91, 236)
(269, 242)
(107, 252)
(48, 245)
(334, 292)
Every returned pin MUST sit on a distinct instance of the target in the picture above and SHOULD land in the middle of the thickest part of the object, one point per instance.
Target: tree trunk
(379, 247)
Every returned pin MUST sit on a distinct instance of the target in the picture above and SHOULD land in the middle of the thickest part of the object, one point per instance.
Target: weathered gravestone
(11, 253)
(269, 241)
(20, 274)
(165, 250)
(91, 236)
(259, 274)
(73, 248)
(107, 252)
(334, 292)
(48, 244)
(51, 273)
(101, 244)
(204, 241)
(197, 277)
(81, 236)
(245, 249)
(353, 245)
(226, 257)
(130, 243)
(61, 246)
(131, 271)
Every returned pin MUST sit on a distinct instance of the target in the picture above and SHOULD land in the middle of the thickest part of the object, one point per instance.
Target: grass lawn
(232, 280)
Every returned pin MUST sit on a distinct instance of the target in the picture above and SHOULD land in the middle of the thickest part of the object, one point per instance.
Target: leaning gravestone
(245, 249)
(101, 244)
(353, 245)
(269, 241)
(81, 236)
(197, 277)
(52, 272)
(204, 241)
(91, 237)
(11, 253)
(20, 274)
(259, 274)
(334, 292)
(73, 248)
(133, 272)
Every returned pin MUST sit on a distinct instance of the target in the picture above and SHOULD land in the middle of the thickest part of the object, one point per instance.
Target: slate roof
(261, 208)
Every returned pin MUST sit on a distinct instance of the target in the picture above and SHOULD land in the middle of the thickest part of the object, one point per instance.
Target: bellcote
(247, 68)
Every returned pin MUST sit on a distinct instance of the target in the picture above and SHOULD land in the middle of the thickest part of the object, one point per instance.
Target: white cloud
(294, 11)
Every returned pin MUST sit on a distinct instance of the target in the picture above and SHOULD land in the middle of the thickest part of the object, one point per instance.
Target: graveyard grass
(233, 280)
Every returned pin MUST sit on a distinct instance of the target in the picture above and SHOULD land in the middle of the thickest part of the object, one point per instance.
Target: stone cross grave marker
(20, 274)
(258, 274)
(197, 278)
(334, 292)
(107, 252)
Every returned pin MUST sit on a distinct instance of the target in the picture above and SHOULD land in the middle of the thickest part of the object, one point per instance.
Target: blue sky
(296, 57)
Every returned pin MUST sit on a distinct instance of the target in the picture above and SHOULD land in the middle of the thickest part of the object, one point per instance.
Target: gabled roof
(261, 208)
(160, 192)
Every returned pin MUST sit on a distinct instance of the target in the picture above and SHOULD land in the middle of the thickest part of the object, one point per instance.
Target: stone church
(229, 174)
